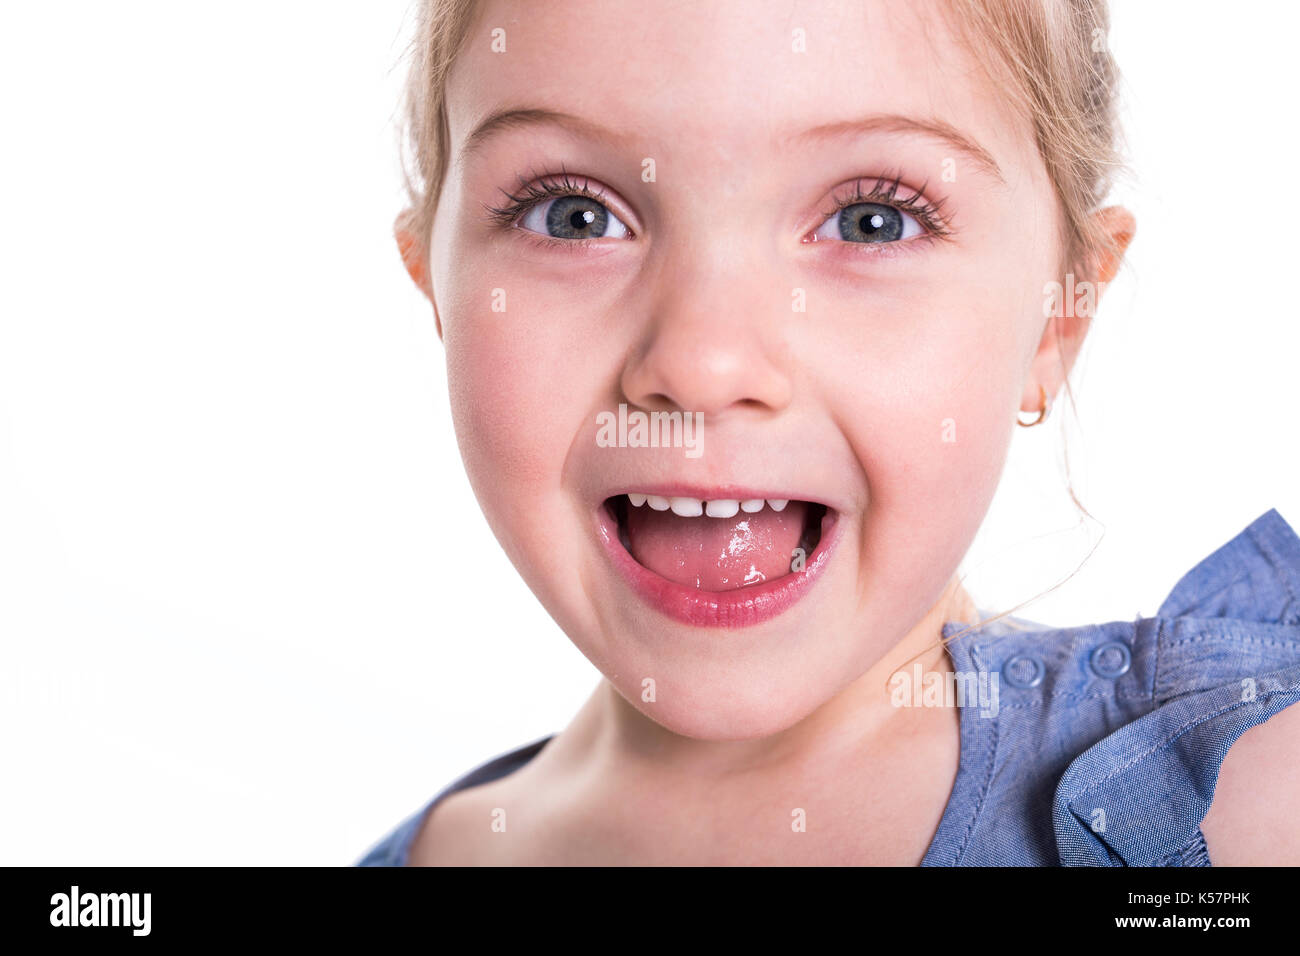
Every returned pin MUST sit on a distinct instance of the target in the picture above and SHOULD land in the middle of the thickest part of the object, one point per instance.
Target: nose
(712, 345)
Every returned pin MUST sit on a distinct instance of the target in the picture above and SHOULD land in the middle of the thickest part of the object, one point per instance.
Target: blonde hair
(1052, 58)
(441, 29)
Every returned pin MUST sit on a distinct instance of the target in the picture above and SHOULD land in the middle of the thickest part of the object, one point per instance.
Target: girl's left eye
(573, 217)
(869, 222)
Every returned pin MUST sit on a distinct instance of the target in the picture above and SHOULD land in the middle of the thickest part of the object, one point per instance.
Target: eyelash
(883, 190)
(531, 192)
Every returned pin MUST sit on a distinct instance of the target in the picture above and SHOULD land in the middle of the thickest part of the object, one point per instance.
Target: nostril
(656, 402)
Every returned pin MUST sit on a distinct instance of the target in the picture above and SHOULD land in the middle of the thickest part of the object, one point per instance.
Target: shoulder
(1192, 748)
(1252, 819)
(459, 829)
(1236, 618)
(438, 831)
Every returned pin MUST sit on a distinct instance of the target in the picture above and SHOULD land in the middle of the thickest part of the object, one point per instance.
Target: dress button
(1111, 660)
(1023, 672)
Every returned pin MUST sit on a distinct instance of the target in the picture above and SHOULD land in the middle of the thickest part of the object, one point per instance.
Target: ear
(1080, 295)
(1118, 226)
(415, 257)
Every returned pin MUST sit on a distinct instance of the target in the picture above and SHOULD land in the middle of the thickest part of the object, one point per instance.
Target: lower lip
(742, 607)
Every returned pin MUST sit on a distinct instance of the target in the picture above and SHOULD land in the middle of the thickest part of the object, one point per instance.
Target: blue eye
(869, 222)
(573, 217)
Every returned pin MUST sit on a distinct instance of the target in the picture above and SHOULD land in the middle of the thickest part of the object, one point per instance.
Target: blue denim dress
(1103, 742)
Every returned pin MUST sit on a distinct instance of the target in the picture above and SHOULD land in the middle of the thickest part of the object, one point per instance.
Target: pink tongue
(716, 554)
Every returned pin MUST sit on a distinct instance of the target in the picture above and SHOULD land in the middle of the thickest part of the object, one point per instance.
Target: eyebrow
(504, 119)
(524, 117)
(895, 123)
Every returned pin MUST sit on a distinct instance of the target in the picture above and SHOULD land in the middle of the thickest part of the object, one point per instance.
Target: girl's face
(866, 360)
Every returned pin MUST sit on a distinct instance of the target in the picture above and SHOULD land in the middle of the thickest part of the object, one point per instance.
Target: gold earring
(1044, 406)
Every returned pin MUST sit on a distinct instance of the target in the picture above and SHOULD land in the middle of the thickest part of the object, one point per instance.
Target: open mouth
(720, 562)
(719, 545)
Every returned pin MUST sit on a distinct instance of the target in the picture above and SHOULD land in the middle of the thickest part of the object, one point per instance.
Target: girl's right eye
(573, 217)
(563, 209)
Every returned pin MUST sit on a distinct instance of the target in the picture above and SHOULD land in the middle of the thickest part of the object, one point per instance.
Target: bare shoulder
(1252, 820)
(499, 823)
(459, 829)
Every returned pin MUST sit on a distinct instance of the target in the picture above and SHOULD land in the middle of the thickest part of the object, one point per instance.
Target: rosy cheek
(926, 396)
(515, 421)
(494, 410)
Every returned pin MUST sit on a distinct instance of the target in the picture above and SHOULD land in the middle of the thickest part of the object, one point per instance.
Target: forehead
(736, 78)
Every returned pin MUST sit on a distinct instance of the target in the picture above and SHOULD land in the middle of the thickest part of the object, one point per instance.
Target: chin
(741, 708)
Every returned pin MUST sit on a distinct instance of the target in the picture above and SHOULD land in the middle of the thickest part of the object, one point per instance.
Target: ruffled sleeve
(1227, 657)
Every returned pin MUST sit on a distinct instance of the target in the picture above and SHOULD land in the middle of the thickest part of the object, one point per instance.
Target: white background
(249, 609)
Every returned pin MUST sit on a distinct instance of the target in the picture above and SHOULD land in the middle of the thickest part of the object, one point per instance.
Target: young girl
(741, 303)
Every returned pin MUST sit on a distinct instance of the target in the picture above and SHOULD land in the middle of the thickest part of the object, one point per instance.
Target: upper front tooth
(694, 507)
(726, 508)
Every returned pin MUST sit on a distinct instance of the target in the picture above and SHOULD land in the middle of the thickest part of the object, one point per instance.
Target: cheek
(520, 386)
(927, 388)
(932, 471)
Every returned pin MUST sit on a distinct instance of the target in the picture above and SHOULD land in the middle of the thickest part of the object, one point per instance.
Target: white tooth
(778, 504)
(752, 505)
(637, 500)
(687, 507)
(726, 508)
(657, 503)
